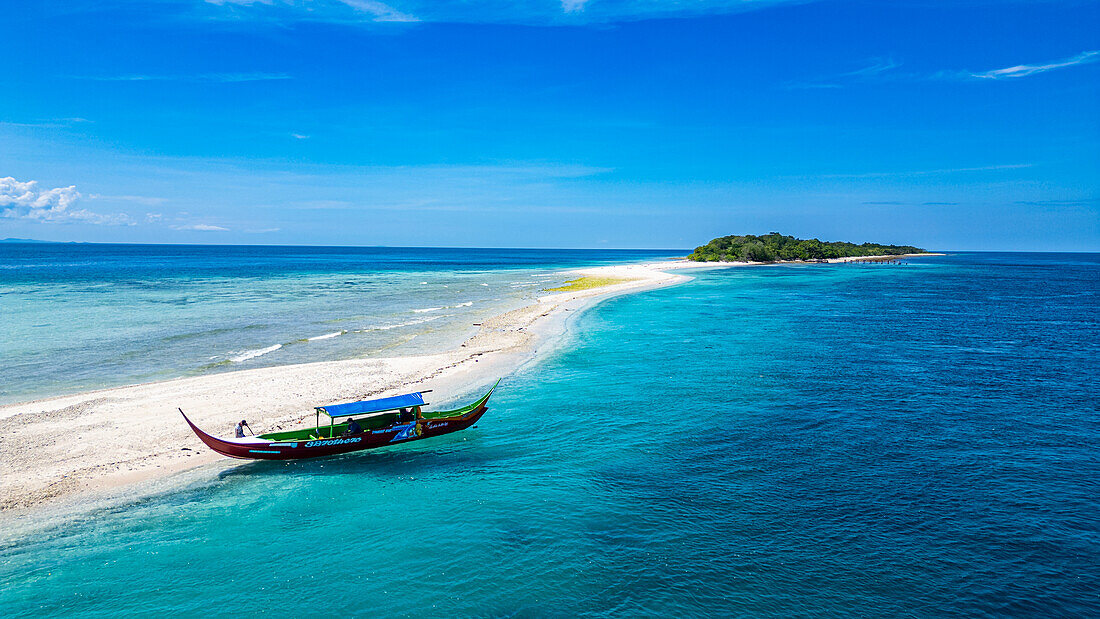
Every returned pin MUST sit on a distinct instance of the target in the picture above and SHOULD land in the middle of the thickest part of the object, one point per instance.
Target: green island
(774, 246)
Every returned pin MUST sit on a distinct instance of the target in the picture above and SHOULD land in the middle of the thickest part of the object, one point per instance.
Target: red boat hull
(256, 449)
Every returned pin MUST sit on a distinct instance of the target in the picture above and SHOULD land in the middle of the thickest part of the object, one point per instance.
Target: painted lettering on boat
(406, 432)
(333, 441)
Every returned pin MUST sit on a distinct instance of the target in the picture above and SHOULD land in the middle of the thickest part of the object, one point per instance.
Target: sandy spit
(76, 447)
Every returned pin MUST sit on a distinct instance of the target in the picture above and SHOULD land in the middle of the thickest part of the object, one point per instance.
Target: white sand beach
(96, 442)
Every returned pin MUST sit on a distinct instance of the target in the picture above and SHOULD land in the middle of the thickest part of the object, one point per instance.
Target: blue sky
(951, 125)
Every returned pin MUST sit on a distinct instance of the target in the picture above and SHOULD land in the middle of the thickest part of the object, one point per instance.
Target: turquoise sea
(79, 317)
(829, 440)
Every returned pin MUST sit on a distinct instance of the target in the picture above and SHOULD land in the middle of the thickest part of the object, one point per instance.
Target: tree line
(774, 246)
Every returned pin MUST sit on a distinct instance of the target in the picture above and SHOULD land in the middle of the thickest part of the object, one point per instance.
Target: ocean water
(82, 317)
(913, 440)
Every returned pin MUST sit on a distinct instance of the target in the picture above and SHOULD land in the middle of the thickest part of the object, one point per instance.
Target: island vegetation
(774, 246)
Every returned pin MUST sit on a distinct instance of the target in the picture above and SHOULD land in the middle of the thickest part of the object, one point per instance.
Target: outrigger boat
(386, 421)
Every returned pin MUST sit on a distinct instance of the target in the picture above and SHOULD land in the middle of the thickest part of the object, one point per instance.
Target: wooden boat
(385, 421)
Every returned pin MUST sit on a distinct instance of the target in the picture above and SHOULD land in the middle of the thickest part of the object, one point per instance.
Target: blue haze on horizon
(949, 125)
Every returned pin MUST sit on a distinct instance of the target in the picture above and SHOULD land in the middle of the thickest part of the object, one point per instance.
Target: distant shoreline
(883, 258)
(95, 445)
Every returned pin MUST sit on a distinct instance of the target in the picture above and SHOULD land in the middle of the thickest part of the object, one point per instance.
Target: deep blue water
(80, 317)
(884, 441)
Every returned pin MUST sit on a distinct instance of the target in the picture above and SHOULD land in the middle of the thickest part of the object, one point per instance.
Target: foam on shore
(252, 354)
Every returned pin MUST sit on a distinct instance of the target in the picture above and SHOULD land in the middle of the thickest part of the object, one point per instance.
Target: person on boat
(240, 428)
(353, 428)
(405, 415)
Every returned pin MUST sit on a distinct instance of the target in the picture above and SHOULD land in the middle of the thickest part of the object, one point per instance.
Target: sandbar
(92, 444)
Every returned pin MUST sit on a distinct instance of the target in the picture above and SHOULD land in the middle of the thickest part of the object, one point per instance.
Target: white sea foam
(327, 336)
(399, 325)
(436, 309)
(252, 354)
(485, 284)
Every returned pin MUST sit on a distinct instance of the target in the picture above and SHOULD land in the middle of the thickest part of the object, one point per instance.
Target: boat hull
(257, 449)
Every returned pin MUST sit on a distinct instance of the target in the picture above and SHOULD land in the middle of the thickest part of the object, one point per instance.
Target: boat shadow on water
(449, 455)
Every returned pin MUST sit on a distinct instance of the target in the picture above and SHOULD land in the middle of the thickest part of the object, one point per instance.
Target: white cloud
(573, 6)
(884, 69)
(379, 11)
(876, 69)
(201, 227)
(1024, 70)
(26, 200)
(299, 136)
(375, 10)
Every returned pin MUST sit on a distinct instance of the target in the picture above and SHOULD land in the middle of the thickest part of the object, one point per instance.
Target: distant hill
(774, 246)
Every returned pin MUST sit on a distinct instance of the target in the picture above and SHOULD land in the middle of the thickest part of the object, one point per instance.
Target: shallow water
(913, 440)
(81, 317)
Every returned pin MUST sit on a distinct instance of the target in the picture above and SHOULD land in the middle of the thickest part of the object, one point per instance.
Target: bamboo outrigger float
(385, 421)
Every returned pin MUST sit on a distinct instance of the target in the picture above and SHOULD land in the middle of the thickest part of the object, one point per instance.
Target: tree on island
(774, 246)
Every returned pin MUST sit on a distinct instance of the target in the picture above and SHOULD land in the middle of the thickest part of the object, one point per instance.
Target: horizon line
(17, 241)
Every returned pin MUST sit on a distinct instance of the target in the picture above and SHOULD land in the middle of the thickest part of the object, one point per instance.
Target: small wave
(436, 309)
(252, 354)
(326, 336)
(399, 325)
(485, 284)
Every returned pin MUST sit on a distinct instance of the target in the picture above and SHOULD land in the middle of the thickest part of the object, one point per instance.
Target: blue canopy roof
(380, 405)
